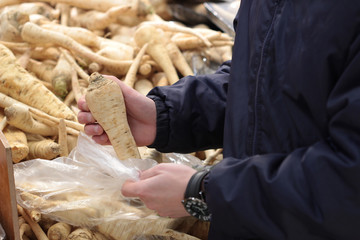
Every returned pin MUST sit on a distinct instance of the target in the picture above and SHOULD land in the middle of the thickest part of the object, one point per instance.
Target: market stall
(49, 50)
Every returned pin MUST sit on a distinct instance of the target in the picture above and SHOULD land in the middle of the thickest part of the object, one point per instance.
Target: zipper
(256, 97)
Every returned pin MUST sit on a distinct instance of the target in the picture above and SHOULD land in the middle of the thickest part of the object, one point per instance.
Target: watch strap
(193, 188)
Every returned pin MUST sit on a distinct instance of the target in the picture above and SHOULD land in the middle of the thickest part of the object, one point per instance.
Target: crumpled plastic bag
(2, 233)
(84, 189)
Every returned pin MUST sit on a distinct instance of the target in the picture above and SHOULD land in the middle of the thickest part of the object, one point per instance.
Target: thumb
(130, 189)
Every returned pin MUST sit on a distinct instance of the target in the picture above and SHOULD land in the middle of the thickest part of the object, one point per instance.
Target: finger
(86, 117)
(129, 189)
(82, 105)
(102, 139)
(93, 129)
(151, 172)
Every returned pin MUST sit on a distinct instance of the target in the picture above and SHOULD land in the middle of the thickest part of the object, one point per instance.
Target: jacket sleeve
(190, 113)
(311, 193)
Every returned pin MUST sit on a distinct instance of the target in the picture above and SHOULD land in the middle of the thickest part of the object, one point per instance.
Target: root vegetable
(3, 123)
(178, 59)
(42, 70)
(11, 22)
(43, 54)
(94, 67)
(188, 43)
(44, 149)
(130, 77)
(79, 34)
(59, 231)
(105, 100)
(156, 49)
(114, 53)
(63, 139)
(211, 156)
(19, 116)
(41, 115)
(173, 27)
(61, 77)
(96, 20)
(38, 8)
(74, 127)
(76, 88)
(69, 98)
(33, 33)
(18, 143)
(64, 10)
(17, 83)
(39, 233)
(160, 79)
(24, 59)
(145, 69)
(143, 86)
(46, 222)
(151, 153)
(33, 214)
(81, 234)
(100, 5)
(74, 64)
(25, 230)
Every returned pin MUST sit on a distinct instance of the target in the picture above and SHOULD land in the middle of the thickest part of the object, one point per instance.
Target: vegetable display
(54, 51)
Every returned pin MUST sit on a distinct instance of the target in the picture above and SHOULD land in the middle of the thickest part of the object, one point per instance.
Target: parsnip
(143, 86)
(174, 27)
(130, 77)
(105, 100)
(18, 143)
(39, 233)
(178, 59)
(11, 22)
(19, 116)
(44, 149)
(95, 20)
(100, 5)
(61, 77)
(59, 231)
(156, 49)
(42, 70)
(159, 79)
(33, 33)
(22, 86)
(62, 140)
(38, 8)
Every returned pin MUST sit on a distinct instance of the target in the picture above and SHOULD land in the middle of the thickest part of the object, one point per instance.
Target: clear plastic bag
(89, 177)
(84, 189)
(2, 233)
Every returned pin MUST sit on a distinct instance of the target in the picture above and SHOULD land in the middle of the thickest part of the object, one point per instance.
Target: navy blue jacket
(286, 110)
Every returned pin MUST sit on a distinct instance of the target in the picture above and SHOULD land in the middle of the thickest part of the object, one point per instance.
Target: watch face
(197, 208)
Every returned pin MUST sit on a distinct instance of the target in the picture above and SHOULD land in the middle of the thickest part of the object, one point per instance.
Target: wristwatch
(194, 197)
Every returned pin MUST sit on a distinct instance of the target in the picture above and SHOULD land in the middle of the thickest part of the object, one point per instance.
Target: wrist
(195, 196)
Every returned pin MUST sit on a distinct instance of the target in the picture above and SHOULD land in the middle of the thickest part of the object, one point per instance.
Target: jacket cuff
(162, 123)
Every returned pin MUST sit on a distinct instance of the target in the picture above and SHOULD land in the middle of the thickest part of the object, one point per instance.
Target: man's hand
(141, 115)
(162, 188)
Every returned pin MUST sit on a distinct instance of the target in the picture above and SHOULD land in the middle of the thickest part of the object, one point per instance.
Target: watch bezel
(191, 202)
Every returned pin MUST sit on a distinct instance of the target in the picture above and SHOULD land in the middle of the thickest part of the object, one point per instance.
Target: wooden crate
(8, 210)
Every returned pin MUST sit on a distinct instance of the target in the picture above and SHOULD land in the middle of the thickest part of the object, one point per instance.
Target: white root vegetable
(105, 100)
(19, 116)
(35, 34)
(22, 86)
(156, 49)
(11, 23)
(143, 86)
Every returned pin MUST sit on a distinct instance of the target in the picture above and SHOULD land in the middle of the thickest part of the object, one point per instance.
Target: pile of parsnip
(48, 50)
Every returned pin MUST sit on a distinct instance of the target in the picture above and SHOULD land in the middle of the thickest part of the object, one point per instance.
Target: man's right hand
(141, 115)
